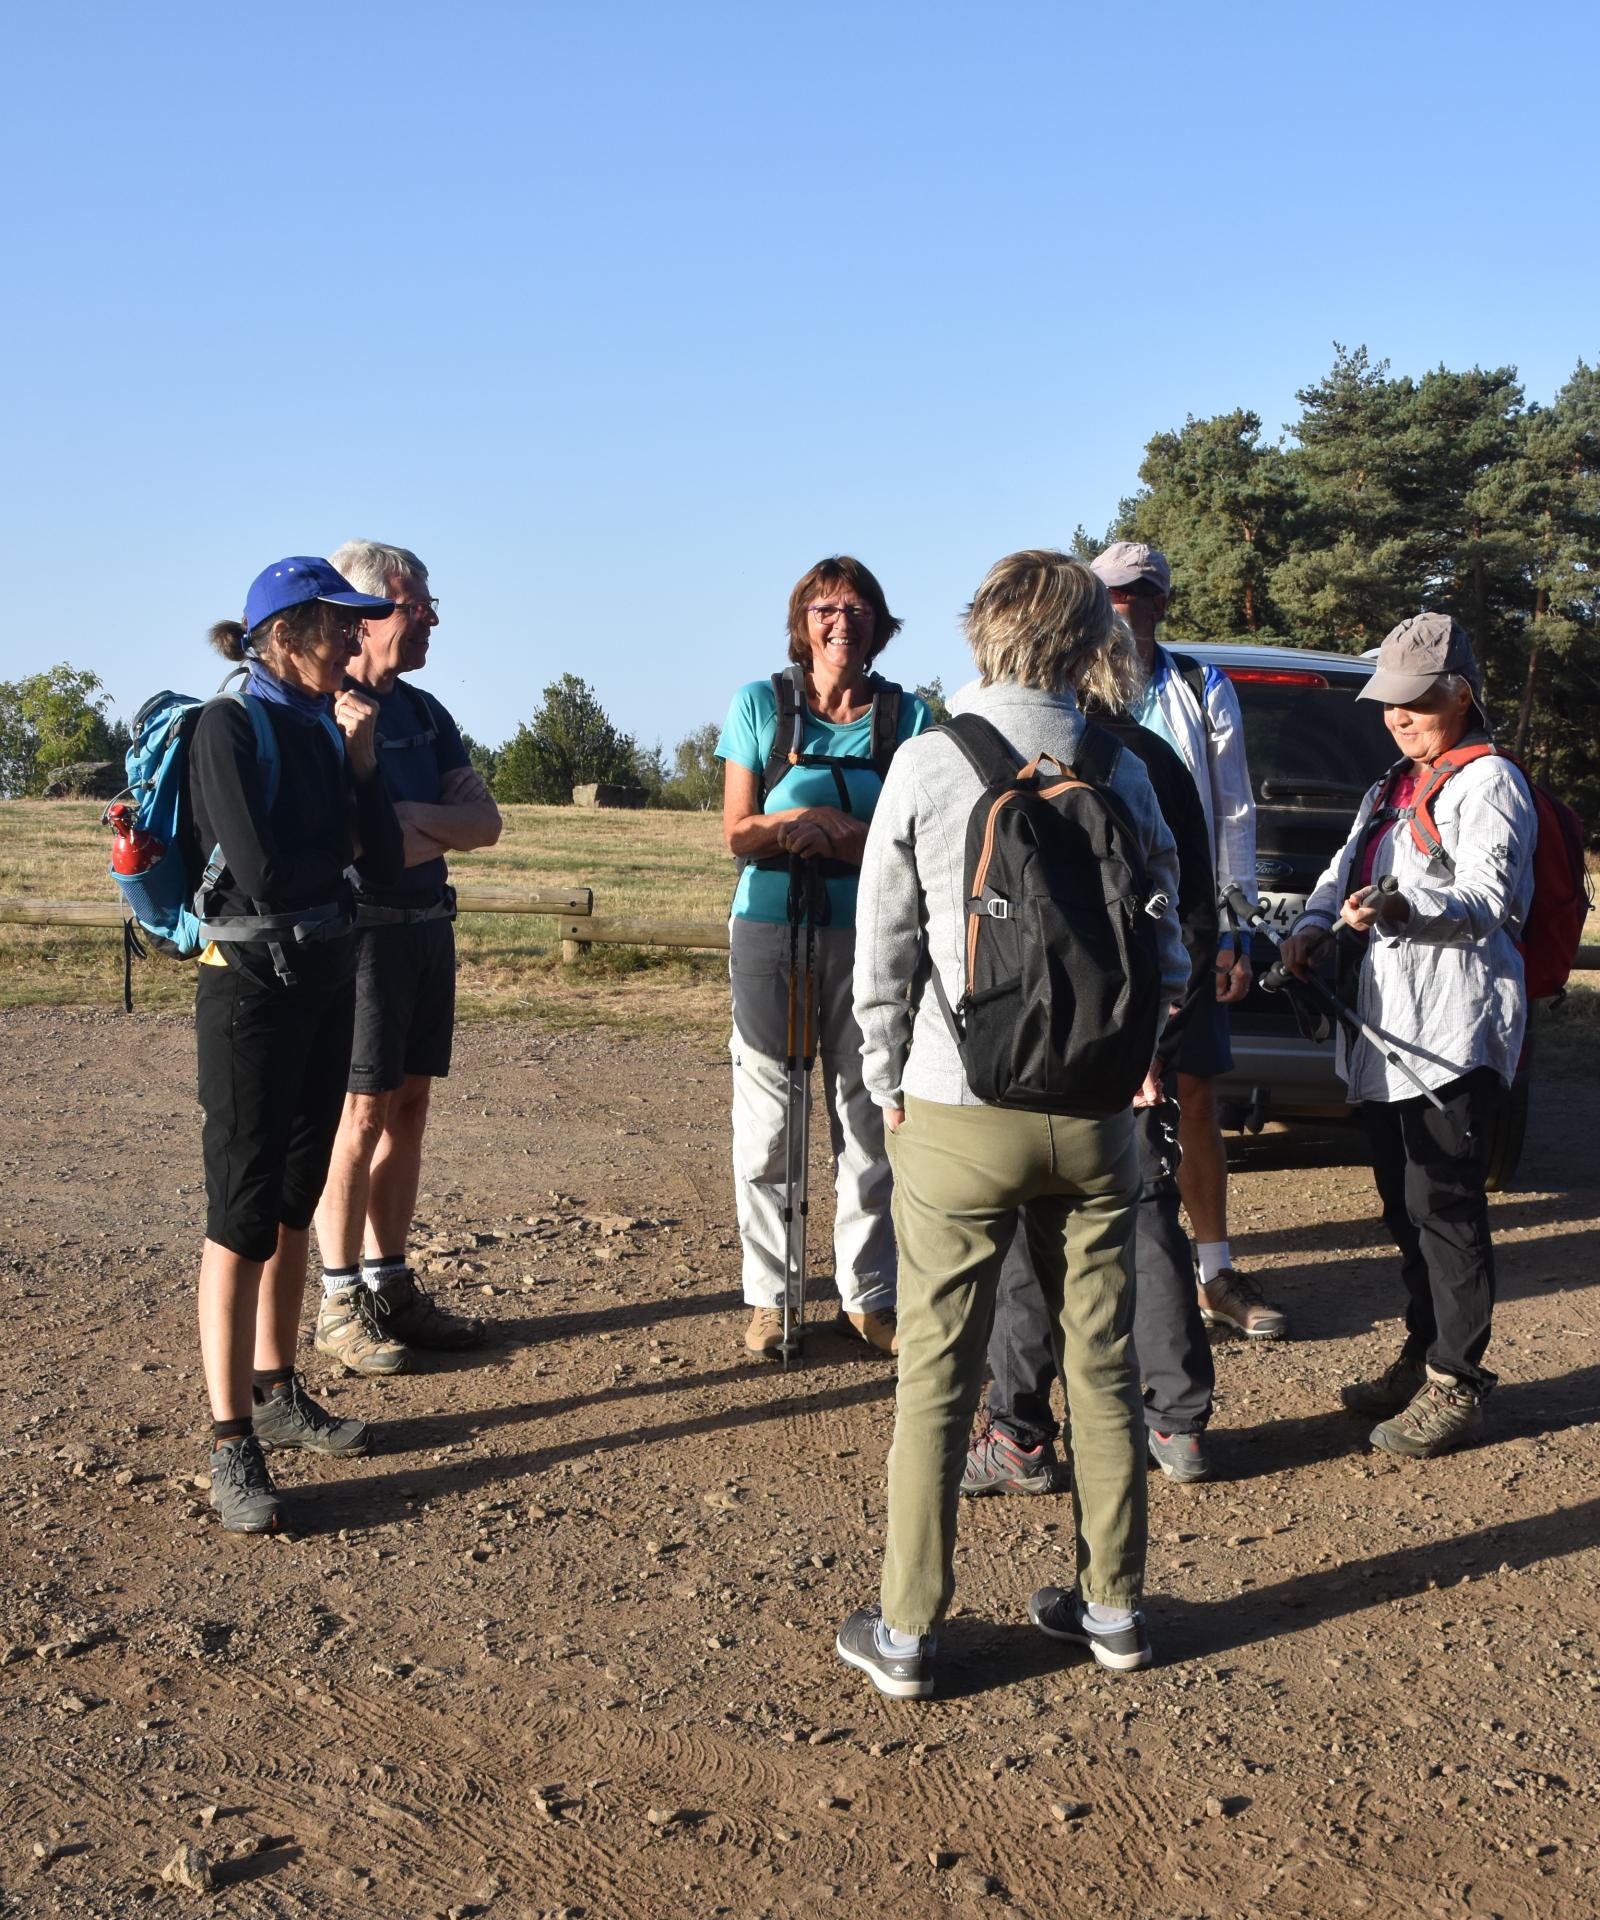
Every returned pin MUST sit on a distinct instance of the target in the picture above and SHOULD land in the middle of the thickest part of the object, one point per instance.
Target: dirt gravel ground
(563, 1643)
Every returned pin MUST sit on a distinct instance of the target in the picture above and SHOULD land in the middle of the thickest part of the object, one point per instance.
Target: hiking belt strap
(308, 925)
(369, 913)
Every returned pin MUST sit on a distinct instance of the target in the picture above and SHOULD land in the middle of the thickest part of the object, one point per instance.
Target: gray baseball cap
(1416, 654)
(1125, 561)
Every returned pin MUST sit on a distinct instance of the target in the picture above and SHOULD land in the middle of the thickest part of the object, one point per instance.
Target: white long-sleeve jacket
(1214, 753)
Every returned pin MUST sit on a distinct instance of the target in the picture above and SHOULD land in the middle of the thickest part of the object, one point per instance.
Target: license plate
(1282, 909)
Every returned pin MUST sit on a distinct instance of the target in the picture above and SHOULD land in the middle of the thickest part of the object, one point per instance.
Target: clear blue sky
(623, 314)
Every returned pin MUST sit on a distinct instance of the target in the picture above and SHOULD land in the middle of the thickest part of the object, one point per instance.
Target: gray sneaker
(241, 1487)
(1062, 1616)
(351, 1330)
(1396, 1387)
(1444, 1415)
(291, 1418)
(903, 1676)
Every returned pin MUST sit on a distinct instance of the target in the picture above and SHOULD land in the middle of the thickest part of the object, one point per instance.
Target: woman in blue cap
(283, 785)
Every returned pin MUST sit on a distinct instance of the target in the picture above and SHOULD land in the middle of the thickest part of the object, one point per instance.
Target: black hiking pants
(1430, 1181)
(1168, 1334)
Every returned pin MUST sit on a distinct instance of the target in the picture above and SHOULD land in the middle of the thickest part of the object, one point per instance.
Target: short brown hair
(301, 624)
(837, 568)
(1037, 615)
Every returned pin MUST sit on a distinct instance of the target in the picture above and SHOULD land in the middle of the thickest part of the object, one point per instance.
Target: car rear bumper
(1296, 1075)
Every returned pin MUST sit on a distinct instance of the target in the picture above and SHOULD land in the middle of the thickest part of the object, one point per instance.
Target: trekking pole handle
(1236, 898)
(1370, 898)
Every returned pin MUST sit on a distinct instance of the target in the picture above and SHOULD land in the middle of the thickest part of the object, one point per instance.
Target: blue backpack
(167, 903)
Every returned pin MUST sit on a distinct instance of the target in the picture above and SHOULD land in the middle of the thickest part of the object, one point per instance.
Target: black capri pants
(273, 1062)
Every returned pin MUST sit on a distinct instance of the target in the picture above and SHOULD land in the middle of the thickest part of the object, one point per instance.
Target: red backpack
(1562, 895)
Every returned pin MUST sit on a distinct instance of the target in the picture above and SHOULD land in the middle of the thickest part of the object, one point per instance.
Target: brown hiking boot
(409, 1314)
(877, 1329)
(1445, 1414)
(1234, 1301)
(764, 1335)
(1396, 1387)
(350, 1330)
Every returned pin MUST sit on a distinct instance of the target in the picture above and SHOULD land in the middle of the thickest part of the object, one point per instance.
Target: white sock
(375, 1272)
(1111, 1618)
(890, 1640)
(1213, 1256)
(333, 1278)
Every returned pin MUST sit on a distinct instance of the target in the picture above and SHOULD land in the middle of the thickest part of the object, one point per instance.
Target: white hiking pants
(863, 1237)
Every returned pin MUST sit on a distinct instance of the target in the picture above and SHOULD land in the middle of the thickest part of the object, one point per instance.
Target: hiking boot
(877, 1329)
(350, 1331)
(903, 1676)
(291, 1418)
(241, 1487)
(1063, 1617)
(1396, 1387)
(1234, 1301)
(1180, 1456)
(407, 1312)
(1442, 1415)
(998, 1464)
(764, 1335)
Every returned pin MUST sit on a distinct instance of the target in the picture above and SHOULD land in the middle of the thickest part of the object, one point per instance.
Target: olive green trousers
(960, 1174)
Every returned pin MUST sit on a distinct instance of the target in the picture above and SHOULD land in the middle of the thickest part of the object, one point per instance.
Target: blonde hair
(1113, 676)
(1042, 619)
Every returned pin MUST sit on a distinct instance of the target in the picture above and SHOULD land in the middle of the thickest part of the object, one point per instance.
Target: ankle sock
(1213, 1256)
(1113, 1619)
(333, 1278)
(229, 1430)
(891, 1641)
(387, 1266)
(268, 1381)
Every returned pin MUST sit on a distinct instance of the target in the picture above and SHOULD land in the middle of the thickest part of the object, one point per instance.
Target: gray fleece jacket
(913, 885)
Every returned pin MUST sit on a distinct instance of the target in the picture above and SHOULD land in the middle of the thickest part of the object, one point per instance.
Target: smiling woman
(804, 755)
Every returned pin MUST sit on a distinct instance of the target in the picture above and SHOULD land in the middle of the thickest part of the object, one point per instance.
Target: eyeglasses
(420, 608)
(827, 613)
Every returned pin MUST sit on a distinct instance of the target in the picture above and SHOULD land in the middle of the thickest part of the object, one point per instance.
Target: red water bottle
(133, 850)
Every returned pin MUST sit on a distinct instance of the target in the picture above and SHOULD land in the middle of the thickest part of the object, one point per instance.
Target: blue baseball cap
(292, 582)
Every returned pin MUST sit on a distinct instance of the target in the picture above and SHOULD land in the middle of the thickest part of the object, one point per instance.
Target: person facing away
(375, 1313)
(964, 1167)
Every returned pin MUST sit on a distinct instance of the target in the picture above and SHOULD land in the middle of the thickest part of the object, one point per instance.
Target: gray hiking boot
(1234, 1300)
(291, 1418)
(1063, 1616)
(407, 1312)
(241, 1487)
(1180, 1456)
(996, 1463)
(350, 1330)
(1444, 1415)
(1396, 1387)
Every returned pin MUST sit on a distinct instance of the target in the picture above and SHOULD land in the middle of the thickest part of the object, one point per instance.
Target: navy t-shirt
(418, 744)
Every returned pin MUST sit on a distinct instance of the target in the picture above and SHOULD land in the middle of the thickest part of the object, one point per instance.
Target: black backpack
(1063, 996)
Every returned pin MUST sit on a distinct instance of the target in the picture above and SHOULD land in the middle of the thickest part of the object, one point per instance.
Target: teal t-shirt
(746, 739)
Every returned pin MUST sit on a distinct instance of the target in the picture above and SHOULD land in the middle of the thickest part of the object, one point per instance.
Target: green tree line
(1387, 495)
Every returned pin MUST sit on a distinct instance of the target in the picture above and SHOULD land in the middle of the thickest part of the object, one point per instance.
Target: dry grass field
(659, 865)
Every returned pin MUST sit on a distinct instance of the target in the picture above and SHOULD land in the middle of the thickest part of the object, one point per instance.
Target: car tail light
(1278, 676)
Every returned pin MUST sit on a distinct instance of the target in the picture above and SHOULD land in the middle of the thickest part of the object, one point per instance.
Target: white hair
(369, 565)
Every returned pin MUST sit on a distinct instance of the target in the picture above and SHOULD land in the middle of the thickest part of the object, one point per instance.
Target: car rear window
(1309, 742)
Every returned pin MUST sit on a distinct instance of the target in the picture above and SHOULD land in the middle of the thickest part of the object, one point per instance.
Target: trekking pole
(797, 1112)
(1278, 977)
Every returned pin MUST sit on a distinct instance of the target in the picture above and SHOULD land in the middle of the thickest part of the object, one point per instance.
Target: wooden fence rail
(580, 926)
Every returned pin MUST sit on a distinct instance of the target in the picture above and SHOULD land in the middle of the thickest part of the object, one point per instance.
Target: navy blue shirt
(418, 745)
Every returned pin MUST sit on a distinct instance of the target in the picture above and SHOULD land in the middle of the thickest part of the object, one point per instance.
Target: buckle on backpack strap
(1157, 905)
(991, 907)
